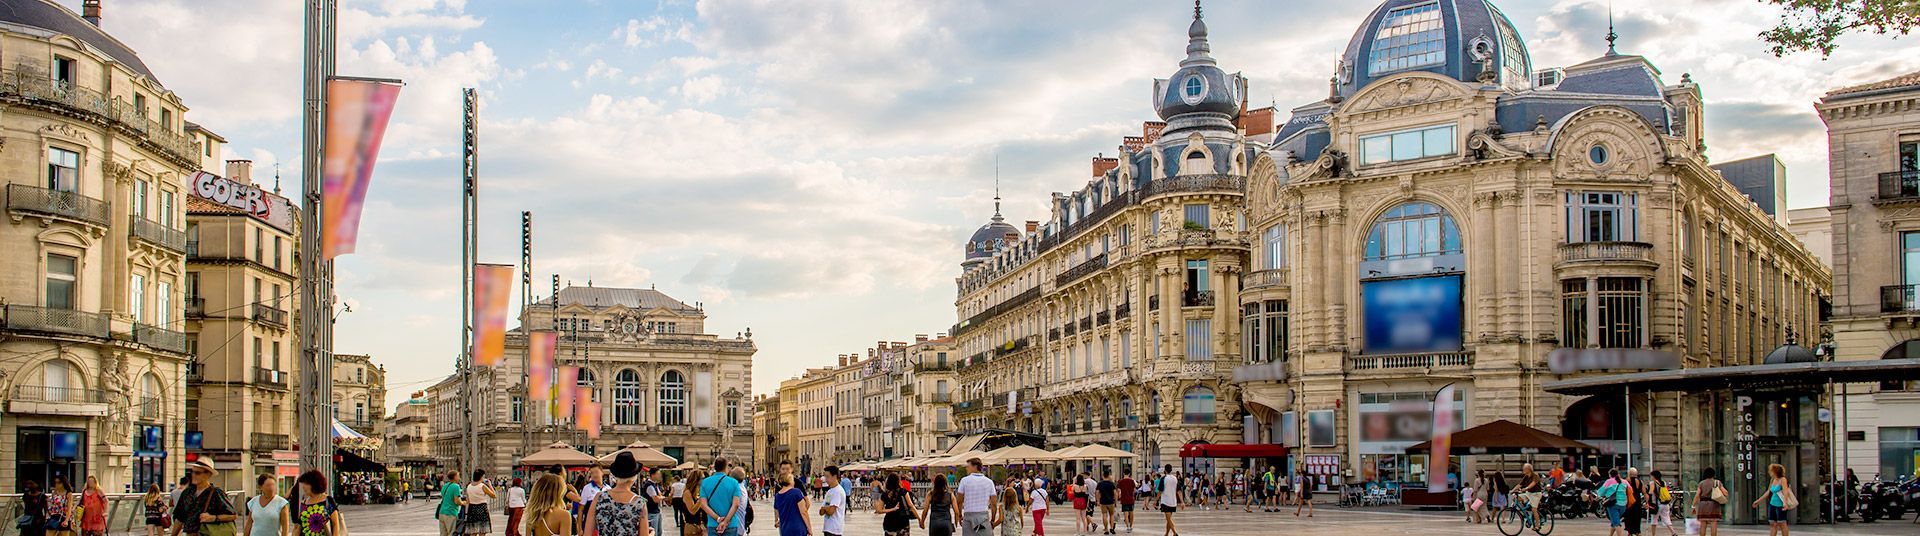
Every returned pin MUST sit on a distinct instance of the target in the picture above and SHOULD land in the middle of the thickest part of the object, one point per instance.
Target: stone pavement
(416, 519)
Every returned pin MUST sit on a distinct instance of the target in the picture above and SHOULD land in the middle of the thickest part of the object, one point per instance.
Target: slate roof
(631, 298)
(1903, 81)
(46, 15)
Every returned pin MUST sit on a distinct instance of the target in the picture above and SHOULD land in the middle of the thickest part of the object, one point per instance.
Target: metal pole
(1629, 404)
(526, 298)
(469, 208)
(314, 403)
(553, 424)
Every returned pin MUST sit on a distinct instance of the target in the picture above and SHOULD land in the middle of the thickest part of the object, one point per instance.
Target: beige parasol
(559, 453)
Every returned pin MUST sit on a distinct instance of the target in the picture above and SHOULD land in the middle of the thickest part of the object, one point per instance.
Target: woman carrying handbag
(1778, 498)
(1710, 498)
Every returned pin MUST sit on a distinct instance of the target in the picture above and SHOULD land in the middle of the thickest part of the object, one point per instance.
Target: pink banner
(589, 417)
(540, 346)
(564, 391)
(357, 113)
(1442, 440)
(492, 288)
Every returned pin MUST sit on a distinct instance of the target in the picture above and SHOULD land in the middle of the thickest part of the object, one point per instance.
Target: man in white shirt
(593, 486)
(1170, 497)
(834, 512)
(979, 506)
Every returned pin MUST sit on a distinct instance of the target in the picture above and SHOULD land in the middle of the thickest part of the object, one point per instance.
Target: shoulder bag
(1719, 494)
(213, 528)
(1787, 499)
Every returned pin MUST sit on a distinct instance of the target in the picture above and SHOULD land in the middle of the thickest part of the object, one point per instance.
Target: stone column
(1482, 276)
(1312, 277)
(1512, 313)
(1338, 279)
(1173, 318)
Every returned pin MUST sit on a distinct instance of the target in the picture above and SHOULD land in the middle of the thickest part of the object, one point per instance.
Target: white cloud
(704, 89)
(652, 31)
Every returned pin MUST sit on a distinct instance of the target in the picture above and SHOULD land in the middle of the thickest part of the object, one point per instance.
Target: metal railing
(160, 235)
(933, 367)
(1153, 302)
(150, 408)
(1267, 278)
(981, 319)
(268, 314)
(906, 389)
(1422, 360)
(263, 442)
(1102, 318)
(1086, 323)
(126, 514)
(1899, 185)
(940, 398)
(193, 248)
(159, 337)
(36, 89)
(1095, 264)
(1122, 311)
(1606, 251)
(45, 393)
(269, 376)
(196, 306)
(1196, 298)
(1900, 299)
(49, 202)
(54, 320)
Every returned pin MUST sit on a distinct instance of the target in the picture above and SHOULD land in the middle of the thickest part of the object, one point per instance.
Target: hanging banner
(1442, 440)
(540, 346)
(492, 287)
(357, 113)
(564, 391)
(589, 415)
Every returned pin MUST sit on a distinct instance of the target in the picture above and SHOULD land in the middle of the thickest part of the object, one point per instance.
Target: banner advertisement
(1442, 439)
(260, 204)
(589, 413)
(492, 288)
(1412, 315)
(357, 113)
(540, 345)
(568, 378)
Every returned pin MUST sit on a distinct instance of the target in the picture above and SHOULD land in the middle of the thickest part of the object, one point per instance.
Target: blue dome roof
(1200, 86)
(990, 238)
(1466, 40)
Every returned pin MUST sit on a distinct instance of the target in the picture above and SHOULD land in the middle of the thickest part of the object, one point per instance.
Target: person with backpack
(1663, 503)
(1636, 502)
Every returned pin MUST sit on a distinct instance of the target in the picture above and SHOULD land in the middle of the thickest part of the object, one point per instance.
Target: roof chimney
(90, 10)
(919, 338)
(843, 360)
(241, 171)
(1151, 130)
(1032, 225)
(1102, 164)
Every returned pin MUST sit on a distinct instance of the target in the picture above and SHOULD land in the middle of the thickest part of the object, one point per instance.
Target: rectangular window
(166, 208)
(733, 413)
(1273, 242)
(1602, 217)
(1197, 216)
(62, 277)
(516, 410)
(1409, 37)
(139, 201)
(193, 284)
(276, 356)
(1910, 156)
(1910, 258)
(63, 170)
(1276, 330)
(1153, 223)
(1899, 450)
(1126, 350)
(1250, 337)
(1573, 313)
(1407, 145)
(140, 105)
(63, 71)
(1197, 276)
(259, 245)
(1199, 339)
(166, 119)
(163, 304)
(1618, 304)
(259, 354)
(137, 297)
(277, 253)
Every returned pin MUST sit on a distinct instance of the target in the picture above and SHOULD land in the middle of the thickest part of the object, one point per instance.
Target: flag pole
(314, 403)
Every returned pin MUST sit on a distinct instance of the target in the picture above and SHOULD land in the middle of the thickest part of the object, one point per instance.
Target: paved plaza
(415, 519)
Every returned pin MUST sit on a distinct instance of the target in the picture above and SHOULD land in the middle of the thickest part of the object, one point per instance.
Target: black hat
(624, 466)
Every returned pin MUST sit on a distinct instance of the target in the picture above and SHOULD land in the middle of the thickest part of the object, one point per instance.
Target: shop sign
(273, 209)
(1744, 450)
(1571, 360)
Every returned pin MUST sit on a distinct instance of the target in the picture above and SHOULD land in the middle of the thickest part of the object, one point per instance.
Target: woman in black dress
(896, 505)
(35, 505)
(939, 510)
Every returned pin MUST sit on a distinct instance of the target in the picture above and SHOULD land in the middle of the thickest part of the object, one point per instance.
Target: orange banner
(540, 346)
(492, 288)
(357, 113)
(589, 417)
(564, 391)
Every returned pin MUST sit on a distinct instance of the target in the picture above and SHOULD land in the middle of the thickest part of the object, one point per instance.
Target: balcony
(940, 398)
(1196, 298)
(906, 420)
(193, 248)
(1267, 278)
(160, 338)
(267, 376)
(1095, 264)
(1409, 361)
(1053, 334)
(196, 307)
(940, 366)
(259, 442)
(364, 426)
(870, 422)
(57, 400)
(1122, 311)
(29, 199)
(942, 426)
(906, 389)
(150, 408)
(269, 315)
(1086, 324)
(1606, 253)
(39, 91)
(52, 320)
(195, 372)
(1102, 318)
(998, 308)
(1070, 329)
(160, 235)
(1196, 183)
(1900, 299)
(1899, 186)
(1153, 302)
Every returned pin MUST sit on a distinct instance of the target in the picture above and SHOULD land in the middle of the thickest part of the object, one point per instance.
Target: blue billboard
(1412, 315)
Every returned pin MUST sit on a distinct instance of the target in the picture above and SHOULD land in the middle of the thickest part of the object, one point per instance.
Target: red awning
(1205, 450)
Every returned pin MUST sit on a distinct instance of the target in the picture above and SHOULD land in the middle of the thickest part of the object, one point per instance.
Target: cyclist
(1528, 493)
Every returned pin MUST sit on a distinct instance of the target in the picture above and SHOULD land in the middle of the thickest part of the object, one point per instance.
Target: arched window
(1127, 418)
(150, 397)
(1106, 414)
(1088, 415)
(1197, 406)
(626, 397)
(1412, 230)
(1904, 350)
(673, 399)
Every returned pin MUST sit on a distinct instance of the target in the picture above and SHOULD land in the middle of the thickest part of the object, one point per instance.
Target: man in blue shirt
(721, 500)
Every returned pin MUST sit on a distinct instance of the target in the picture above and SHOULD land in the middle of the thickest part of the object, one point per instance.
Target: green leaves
(1809, 25)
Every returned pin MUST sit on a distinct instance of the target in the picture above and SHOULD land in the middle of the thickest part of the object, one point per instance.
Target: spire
(1198, 51)
(1611, 37)
(996, 188)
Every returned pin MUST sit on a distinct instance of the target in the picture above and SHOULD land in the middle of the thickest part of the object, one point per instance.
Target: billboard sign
(1413, 315)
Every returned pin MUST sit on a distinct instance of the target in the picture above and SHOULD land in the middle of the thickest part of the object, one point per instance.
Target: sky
(809, 169)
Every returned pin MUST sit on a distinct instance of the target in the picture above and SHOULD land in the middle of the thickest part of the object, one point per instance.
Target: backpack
(1666, 495)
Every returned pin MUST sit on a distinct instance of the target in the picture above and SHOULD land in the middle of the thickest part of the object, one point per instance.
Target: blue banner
(1412, 315)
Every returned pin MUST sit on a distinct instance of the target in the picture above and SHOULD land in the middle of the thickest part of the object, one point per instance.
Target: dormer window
(1194, 89)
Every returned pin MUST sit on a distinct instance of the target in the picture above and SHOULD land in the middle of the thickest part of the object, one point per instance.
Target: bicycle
(1518, 516)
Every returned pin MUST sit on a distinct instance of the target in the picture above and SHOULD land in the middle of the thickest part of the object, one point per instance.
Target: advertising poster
(1412, 315)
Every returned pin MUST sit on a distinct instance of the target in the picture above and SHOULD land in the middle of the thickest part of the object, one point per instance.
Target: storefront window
(1199, 406)
(1899, 452)
(48, 453)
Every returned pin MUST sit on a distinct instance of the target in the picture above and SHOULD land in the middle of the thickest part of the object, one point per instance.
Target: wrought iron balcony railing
(159, 337)
(1899, 185)
(160, 235)
(196, 306)
(261, 442)
(1900, 299)
(54, 320)
(263, 375)
(1122, 311)
(1095, 264)
(32, 199)
(39, 90)
(1196, 298)
(267, 314)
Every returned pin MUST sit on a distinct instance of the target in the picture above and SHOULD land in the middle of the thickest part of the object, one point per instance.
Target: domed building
(95, 289)
(1112, 320)
(1451, 215)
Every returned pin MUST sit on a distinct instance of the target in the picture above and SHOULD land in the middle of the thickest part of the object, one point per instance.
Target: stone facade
(1873, 138)
(360, 394)
(93, 354)
(928, 383)
(408, 432)
(814, 416)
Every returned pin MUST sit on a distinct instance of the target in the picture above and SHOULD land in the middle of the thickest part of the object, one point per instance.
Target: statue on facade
(120, 411)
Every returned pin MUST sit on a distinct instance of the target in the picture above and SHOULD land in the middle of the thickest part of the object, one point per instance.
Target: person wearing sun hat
(203, 509)
(619, 510)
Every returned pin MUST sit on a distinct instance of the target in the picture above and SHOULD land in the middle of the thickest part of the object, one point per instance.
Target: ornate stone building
(360, 394)
(1451, 215)
(96, 155)
(1873, 139)
(925, 414)
(658, 375)
(1114, 321)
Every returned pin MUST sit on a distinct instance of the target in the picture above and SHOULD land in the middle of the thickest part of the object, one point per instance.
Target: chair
(1376, 495)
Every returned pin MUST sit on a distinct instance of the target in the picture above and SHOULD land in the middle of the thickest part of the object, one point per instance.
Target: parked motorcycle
(1849, 500)
(1569, 502)
(1880, 499)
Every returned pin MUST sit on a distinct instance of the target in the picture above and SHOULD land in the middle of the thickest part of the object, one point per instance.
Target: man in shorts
(1170, 497)
(1129, 492)
(1109, 495)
